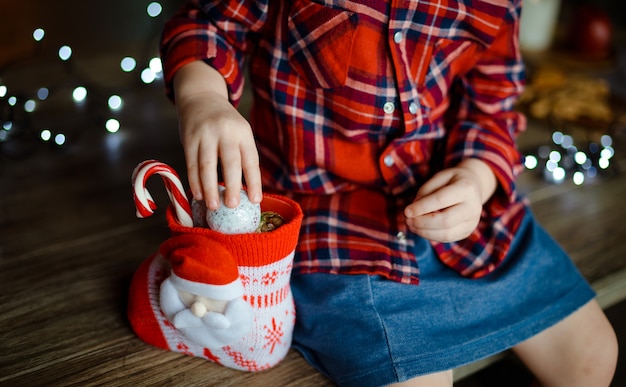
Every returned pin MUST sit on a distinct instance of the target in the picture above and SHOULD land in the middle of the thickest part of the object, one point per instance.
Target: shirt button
(398, 36)
(388, 160)
(389, 107)
(413, 108)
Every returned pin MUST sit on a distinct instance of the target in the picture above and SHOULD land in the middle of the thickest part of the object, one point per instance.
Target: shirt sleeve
(487, 125)
(216, 32)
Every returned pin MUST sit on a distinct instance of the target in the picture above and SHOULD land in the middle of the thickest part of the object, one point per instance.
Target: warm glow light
(112, 125)
(3, 91)
(38, 34)
(46, 135)
(79, 94)
(128, 64)
(148, 76)
(115, 102)
(65, 53)
(154, 9)
(59, 139)
(43, 93)
(29, 106)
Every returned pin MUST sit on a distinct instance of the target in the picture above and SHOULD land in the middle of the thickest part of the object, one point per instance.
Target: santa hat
(202, 266)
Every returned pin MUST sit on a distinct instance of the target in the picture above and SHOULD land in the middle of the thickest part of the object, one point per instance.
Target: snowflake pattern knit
(264, 266)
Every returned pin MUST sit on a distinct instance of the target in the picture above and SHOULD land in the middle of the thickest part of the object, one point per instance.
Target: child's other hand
(212, 129)
(447, 207)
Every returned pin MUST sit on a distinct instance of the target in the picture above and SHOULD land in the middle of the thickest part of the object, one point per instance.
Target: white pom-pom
(244, 218)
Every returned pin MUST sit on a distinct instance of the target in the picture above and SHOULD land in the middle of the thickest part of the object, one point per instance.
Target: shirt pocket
(456, 45)
(320, 41)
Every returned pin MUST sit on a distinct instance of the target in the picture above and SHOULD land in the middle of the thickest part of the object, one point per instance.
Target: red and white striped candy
(143, 200)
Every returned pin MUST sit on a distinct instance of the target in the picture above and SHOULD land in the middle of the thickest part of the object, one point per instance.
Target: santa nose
(198, 309)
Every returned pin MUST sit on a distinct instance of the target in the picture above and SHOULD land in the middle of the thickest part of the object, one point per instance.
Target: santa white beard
(213, 330)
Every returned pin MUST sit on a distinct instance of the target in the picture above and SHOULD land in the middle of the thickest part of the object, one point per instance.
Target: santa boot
(222, 297)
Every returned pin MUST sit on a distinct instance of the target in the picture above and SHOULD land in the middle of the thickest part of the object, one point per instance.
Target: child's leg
(439, 379)
(578, 351)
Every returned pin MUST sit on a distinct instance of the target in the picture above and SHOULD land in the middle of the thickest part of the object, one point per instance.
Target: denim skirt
(362, 330)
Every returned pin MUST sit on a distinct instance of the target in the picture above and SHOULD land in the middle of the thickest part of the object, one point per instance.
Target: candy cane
(143, 200)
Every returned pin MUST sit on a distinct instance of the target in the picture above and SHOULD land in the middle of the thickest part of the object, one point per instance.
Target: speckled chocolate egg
(244, 218)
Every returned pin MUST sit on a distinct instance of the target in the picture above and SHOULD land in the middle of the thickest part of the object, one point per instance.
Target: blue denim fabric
(362, 330)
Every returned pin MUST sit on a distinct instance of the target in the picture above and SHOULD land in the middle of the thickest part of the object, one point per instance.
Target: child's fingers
(231, 171)
(252, 172)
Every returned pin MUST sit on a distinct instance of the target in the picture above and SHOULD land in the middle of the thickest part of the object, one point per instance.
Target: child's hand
(212, 129)
(448, 206)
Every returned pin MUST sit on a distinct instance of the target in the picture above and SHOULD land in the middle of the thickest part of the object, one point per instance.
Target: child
(393, 127)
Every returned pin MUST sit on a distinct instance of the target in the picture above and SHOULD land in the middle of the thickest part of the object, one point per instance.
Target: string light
(79, 94)
(3, 91)
(115, 102)
(29, 106)
(65, 53)
(154, 9)
(39, 34)
(128, 64)
(112, 125)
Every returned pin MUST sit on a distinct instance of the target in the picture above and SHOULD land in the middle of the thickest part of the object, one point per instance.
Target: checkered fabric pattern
(358, 103)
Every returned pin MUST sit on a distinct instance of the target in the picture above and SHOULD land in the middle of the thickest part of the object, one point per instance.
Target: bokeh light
(128, 64)
(39, 34)
(65, 53)
(79, 94)
(154, 9)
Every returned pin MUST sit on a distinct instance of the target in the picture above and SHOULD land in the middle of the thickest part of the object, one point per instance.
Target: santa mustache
(213, 329)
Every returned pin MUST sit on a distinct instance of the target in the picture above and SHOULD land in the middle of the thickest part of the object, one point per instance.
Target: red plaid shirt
(357, 103)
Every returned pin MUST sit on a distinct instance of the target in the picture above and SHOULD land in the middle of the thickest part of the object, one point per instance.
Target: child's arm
(211, 129)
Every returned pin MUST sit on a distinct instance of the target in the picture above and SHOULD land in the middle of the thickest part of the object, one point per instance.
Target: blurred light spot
(148, 76)
(79, 94)
(578, 178)
(3, 91)
(43, 93)
(580, 158)
(557, 138)
(7, 125)
(155, 65)
(606, 140)
(154, 9)
(607, 153)
(555, 156)
(558, 174)
(65, 53)
(45, 135)
(551, 166)
(29, 106)
(592, 172)
(59, 139)
(603, 163)
(128, 64)
(115, 102)
(38, 34)
(567, 142)
(530, 162)
(3, 135)
(112, 125)
(544, 151)
(12, 101)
